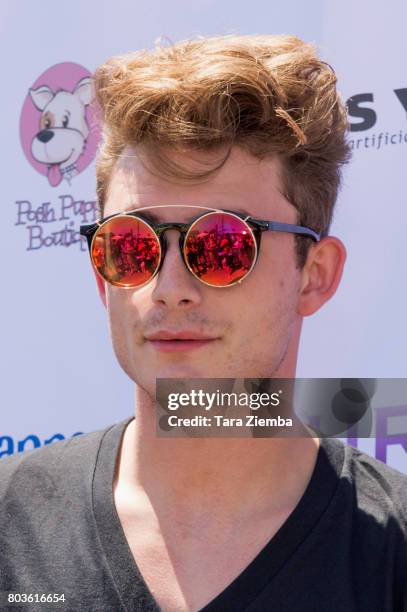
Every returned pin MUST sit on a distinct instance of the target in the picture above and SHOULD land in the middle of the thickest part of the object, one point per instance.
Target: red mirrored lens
(220, 249)
(125, 251)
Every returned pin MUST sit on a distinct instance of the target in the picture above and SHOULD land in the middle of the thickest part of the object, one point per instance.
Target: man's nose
(175, 285)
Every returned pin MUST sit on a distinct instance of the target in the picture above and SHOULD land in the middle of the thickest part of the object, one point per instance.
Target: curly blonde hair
(270, 95)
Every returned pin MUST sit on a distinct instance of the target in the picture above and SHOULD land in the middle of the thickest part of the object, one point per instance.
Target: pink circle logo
(59, 128)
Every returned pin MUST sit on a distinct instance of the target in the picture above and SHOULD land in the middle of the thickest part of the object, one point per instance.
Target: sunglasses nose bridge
(182, 229)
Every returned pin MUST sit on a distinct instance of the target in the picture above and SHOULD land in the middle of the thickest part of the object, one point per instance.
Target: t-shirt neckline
(244, 589)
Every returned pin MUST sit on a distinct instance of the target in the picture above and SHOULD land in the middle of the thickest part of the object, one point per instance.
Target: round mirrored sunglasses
(220, 248)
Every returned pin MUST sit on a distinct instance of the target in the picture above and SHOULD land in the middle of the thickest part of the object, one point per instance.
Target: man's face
(254, 324)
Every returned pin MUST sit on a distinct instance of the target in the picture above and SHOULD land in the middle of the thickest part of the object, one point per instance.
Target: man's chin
(182, 372)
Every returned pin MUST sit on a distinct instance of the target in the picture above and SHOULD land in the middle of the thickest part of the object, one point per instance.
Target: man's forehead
(244, 183)
(220, 168)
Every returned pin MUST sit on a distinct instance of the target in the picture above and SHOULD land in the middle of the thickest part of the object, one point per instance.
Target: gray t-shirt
(343, 548)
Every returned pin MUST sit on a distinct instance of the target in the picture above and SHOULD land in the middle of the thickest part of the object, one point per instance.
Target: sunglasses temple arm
(276, 226)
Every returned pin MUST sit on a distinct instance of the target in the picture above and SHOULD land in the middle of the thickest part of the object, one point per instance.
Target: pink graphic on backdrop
(59, 127)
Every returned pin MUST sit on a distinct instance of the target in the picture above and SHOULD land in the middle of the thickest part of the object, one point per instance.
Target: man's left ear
(321, 274)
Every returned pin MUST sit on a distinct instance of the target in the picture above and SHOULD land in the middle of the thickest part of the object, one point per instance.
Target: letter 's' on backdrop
(59, 376)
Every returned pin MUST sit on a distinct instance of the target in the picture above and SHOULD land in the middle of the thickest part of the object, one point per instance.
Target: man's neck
(226, 476)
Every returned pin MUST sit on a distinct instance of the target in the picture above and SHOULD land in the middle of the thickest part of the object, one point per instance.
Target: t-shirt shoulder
(381, 490)
(42, 471)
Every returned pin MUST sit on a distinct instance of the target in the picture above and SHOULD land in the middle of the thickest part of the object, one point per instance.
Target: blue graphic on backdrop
(9, 446)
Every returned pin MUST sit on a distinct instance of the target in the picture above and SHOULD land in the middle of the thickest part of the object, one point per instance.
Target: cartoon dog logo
(59, 126)
(63, 129)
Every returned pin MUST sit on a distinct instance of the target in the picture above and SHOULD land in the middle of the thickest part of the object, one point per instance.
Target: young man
(232, 129)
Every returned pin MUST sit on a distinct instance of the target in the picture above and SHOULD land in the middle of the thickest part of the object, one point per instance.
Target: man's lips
(187, 334)
(167, 341)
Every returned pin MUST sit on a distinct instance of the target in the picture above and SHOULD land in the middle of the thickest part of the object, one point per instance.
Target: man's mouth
(186, 340)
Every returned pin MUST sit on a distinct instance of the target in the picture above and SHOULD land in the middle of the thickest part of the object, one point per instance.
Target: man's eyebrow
(243, 211)
(150, 216)
(147, 215)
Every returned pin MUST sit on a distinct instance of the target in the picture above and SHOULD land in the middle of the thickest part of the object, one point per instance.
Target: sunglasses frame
(255, 226)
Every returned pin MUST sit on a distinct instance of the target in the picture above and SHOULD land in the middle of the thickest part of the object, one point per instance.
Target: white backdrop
(58, 371)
